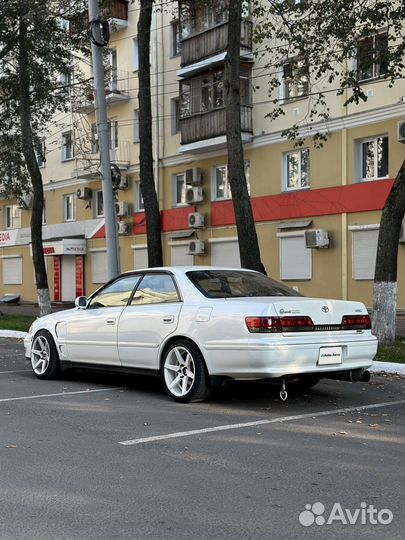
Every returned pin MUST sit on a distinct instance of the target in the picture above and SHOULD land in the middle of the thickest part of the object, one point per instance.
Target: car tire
(45, 361)
(184, 373)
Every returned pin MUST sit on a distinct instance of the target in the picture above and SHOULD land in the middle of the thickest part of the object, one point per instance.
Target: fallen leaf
(11, 446)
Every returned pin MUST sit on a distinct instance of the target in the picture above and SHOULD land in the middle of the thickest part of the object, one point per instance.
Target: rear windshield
(237, 284)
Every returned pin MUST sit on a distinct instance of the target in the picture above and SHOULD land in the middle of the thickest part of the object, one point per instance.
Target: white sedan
(201, 326)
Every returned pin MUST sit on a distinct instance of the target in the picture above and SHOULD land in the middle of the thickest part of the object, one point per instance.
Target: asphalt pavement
(103, 457)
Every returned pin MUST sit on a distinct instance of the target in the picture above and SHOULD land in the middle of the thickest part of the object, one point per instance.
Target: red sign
(49, 250)
(79, 275)
(56, 278)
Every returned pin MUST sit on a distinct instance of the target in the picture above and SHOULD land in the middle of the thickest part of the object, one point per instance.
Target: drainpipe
(157, 115)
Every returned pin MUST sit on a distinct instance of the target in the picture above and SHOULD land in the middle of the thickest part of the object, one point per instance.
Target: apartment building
(317, 210)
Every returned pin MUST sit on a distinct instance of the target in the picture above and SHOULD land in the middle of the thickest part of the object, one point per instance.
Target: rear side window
(237, 284)
(155, 289)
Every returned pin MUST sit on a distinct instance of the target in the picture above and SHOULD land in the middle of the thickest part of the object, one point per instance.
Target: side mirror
(81, 302)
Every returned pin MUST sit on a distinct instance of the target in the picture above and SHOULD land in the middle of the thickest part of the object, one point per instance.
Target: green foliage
(53, 49)
(325, 35)
(16, 322)
(392, 353)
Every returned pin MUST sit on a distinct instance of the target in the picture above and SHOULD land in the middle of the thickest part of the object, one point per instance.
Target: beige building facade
(317, 210)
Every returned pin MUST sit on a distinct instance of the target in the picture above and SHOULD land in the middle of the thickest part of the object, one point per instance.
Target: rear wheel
(44, 356)
(184, 373)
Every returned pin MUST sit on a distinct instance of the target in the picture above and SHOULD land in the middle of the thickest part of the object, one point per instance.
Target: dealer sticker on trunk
(330, 355)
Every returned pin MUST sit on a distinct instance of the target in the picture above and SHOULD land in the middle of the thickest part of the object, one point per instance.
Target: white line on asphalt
(60, 394)
(257, 423)
(15, 371)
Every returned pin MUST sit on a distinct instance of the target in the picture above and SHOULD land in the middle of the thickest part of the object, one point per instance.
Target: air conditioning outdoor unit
(316, 238)
(84, 193)
(25, 201)
(196, 247)
(401, 132)
(196, 220)
(121, 209)
(123, 227)
(123, 183)
(194, 195)
(194, 176)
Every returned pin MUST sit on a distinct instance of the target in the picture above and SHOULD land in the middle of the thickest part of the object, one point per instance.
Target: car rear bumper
(277, 360)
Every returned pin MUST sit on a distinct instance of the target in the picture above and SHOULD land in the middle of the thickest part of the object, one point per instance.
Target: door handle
(168, 319)
(110, 321)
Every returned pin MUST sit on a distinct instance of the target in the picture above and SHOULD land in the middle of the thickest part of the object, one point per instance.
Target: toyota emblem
(325, 309)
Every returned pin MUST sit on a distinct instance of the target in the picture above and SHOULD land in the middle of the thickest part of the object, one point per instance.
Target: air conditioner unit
(196, 247)
(25, 201)
(121, 209)
(401, 132)
(196, 220)
(123, 227)
(316, 238)
(83, 193)
(123, 183)
(194, 176)
(194, 195)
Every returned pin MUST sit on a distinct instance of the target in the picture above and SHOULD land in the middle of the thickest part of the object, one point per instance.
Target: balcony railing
(212, 124)
(212, 41)
(88, 160)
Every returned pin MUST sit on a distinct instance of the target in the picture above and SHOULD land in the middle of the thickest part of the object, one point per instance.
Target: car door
(92, 332)
(145, 323)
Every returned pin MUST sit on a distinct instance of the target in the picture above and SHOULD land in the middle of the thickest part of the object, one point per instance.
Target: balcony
(116, 91)
(88, 162)
(212, 42)
(118, 15)
(208, 125)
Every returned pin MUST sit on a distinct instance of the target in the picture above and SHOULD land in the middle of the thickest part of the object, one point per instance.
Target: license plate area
(329, 356)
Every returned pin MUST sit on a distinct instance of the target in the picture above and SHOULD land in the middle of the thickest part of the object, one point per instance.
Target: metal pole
(113, 262)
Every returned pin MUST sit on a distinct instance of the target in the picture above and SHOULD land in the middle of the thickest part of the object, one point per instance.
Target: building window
(221, 186)
(40, 153)
(295, 81)
(99, 267)
(372, 55)
(206, 93)
(139, 205)
(296, 170)
(69, 210)
(175, 110)
(44, 213)
(67, 146)
(113, 67)
(136, 125)
(175, 38)
(180, 186)
(196, 18)
(295, 258)
(12, 270)
(112, 128)
(94, 139)
(225, 252)
(364, 253)
(373, 158)
(135, 58)
(98, 201)
(12, 217)
(65, 81)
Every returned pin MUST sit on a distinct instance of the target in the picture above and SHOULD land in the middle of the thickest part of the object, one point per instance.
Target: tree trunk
(27, 144)
(248, 243)
(385, 278)
(147, 183)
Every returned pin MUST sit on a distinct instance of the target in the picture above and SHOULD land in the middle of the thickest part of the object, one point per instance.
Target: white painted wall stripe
(60, 394)
(257, 423)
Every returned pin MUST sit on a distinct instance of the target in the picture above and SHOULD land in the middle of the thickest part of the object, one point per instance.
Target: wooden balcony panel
(119, 10)
(212, 41)
(211, 124)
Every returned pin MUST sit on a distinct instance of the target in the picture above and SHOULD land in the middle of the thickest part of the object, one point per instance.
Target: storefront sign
(67, 246)
(8, 238)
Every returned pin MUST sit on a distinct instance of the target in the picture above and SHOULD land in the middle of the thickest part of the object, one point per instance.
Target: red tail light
(356, 322)
(279, 324)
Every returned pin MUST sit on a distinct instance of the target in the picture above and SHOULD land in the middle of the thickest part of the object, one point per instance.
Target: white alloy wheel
(184, 373)
(44, 356)
(179, 371)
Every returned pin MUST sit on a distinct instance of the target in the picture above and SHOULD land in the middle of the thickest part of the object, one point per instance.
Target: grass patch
(16, 322)
(392, 353)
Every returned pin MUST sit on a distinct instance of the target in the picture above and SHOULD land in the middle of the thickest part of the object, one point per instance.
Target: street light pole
(113, 262)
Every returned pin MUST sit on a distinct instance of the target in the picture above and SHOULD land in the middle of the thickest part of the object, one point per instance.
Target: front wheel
(184, 372)
(44, 356)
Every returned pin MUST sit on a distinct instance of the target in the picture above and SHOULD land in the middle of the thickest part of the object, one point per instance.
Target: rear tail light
(356, 322)
(257, 325)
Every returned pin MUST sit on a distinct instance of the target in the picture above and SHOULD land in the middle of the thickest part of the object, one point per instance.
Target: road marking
(15, 371)
(60, 394)
(257, 423)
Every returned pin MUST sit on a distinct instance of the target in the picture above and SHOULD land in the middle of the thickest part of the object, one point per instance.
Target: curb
(377, 367)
